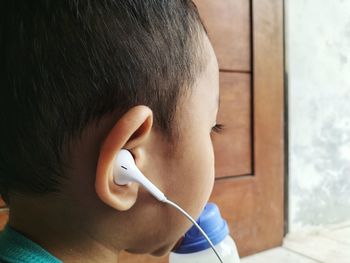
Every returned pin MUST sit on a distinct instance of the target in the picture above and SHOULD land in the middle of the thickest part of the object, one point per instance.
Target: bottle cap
(213, 225)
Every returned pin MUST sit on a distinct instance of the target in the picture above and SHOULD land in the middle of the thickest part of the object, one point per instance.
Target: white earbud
(126, 171)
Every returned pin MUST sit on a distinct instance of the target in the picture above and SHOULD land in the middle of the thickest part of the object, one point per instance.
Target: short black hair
(67, 63)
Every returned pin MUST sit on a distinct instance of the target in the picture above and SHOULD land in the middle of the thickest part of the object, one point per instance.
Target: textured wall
(318, 65)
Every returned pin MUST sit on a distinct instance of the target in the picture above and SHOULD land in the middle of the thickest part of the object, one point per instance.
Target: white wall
(318, 65)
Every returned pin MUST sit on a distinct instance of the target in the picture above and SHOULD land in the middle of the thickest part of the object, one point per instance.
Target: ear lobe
(129, 132)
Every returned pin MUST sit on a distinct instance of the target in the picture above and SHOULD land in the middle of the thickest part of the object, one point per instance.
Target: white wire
(195, 223)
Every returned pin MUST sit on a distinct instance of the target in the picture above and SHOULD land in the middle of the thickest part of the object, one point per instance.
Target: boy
(81, 80)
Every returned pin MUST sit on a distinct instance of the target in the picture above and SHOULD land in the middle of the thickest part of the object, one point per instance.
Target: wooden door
(247, 36)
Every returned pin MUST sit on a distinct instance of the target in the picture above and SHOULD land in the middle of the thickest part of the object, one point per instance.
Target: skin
(92, 219)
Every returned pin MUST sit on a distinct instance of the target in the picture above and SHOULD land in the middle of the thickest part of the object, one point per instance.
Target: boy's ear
(129, 132)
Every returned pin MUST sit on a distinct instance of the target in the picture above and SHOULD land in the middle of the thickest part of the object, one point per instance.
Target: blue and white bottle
(194, 248)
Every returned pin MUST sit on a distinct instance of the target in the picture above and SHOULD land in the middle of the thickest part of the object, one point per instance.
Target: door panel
(233, 146)
(228, 26)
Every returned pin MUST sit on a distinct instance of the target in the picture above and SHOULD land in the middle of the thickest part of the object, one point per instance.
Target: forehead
(210, 78)
(202, 101)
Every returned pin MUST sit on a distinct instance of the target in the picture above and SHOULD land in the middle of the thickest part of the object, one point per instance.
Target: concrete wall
(318, 66)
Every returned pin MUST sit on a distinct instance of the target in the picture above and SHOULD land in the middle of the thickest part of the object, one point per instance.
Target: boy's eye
(218, 128)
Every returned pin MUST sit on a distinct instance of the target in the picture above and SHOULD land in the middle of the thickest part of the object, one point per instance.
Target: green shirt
(15, 248)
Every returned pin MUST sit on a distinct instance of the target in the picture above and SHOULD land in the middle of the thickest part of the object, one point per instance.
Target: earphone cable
(195, 223)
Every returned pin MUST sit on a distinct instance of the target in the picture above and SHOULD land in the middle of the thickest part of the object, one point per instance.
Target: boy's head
(79, 81)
